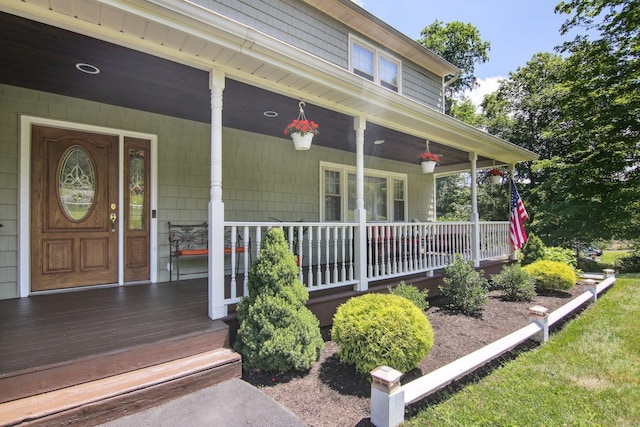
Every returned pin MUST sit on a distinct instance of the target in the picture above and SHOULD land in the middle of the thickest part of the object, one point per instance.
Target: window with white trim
(374, 64)
(384, 194)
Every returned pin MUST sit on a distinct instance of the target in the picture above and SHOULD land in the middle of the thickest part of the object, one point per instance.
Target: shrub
(412, 293)
(277, 331)
(516, 283)
(466, 288)
(533, 250)
(586, 264)
(563, 255)
(381, 329)
(629, 263)
(552, 275)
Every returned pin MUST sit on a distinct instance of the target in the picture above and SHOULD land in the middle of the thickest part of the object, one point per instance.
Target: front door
(74, 208)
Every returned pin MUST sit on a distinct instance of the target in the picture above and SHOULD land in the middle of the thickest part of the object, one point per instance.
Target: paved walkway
(229, 404)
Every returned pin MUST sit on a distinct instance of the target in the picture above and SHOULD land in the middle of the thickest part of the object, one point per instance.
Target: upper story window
(384, 194)
(373, 64)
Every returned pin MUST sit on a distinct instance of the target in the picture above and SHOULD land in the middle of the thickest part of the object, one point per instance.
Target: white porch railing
(398, 249)
(326, 257)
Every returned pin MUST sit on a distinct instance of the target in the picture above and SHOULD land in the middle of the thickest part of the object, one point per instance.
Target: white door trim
(24, 206)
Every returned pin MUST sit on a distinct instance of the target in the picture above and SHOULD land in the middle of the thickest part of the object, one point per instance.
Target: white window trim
(345, 170)
(377, 54)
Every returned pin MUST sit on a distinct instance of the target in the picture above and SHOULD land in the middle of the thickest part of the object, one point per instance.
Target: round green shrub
(629, 263)
(412, 293)
(516, 283)
(381, 329)
(277, 331)
(466, 288)
(552, 275)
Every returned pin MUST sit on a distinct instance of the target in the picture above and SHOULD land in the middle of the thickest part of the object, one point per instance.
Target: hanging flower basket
(302, 141)
(301, 130)
(494, 175)
(429, 166)
(428, 161)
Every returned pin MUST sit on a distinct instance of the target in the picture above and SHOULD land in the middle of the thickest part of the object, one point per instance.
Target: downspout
(446, 84)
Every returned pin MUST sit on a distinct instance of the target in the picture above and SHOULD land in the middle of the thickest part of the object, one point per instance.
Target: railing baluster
(310, 262)
(319, 263)
(350, 244)
(335, 254)
(233, 262)
(246, 255)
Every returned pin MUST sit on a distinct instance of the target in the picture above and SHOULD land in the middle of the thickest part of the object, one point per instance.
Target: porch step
(105, 399)
(53, 376)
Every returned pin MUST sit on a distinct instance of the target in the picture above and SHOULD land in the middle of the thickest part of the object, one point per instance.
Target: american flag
(517, 216)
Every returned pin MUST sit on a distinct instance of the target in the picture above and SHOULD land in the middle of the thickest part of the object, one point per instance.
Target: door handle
(113, 217)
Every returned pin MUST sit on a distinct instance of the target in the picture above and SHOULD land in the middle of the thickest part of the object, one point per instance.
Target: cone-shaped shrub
(381, 329)
(277, 331)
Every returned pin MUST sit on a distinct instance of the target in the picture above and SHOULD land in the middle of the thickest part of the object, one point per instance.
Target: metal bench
(191, 240)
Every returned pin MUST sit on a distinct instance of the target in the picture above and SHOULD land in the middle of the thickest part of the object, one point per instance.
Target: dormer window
(373, 64)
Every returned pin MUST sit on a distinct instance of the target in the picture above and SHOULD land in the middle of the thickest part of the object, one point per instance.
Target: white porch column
(217, 308)
(431, 195)
(360, 237)
(475, 217)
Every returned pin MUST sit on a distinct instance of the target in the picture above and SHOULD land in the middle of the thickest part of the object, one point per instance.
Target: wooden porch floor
(53, 328)
(57, 342)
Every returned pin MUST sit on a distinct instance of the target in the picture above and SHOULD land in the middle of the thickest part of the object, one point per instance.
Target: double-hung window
(374, 64)
(384, 194)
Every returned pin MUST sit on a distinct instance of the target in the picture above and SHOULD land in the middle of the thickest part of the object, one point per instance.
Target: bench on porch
(192, 240)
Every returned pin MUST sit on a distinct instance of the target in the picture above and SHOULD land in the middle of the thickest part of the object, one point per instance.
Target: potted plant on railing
(494, 175)
(428, 161)
(301, 130)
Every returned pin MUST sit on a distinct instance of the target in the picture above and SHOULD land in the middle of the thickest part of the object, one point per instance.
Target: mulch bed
(332, 394)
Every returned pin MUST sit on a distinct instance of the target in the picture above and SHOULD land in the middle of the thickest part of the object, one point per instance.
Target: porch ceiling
(43, 57)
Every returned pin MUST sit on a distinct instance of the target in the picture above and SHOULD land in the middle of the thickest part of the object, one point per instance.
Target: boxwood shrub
(552, 275)
(381, 329)
(466, 288)
(516, 283)
(412, 293)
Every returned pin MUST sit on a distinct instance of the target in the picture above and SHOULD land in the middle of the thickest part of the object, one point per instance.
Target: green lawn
(610, 257)
(588, 374)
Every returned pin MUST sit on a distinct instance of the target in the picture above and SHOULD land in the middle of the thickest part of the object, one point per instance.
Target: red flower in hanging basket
(301, 127)
(428, 156)
(494, 172)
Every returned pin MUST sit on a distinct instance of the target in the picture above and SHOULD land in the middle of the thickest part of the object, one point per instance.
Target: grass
(610, 257)
(588, 374)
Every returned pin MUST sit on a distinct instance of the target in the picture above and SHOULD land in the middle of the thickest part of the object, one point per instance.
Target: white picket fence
(388, 398)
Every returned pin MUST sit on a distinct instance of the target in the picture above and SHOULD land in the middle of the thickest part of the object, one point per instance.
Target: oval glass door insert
(77, 183)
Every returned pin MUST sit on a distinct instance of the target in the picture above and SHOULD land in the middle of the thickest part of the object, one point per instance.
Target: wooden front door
(74, 208)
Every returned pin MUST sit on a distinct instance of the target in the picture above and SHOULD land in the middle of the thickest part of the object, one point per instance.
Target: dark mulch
(332, 394)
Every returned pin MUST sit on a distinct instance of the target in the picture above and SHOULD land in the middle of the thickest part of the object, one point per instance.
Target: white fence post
(590, 285)
(538, 314)
(387, 398)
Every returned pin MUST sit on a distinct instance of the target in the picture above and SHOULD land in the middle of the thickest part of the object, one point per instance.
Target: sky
(516, 29)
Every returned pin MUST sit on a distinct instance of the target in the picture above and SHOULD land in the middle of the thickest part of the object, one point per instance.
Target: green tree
(460, 44)
(581, 114)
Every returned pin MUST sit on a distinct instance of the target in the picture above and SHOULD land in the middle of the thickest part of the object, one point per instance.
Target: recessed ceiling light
(87, 68)
(271, 114)
(378, 141)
